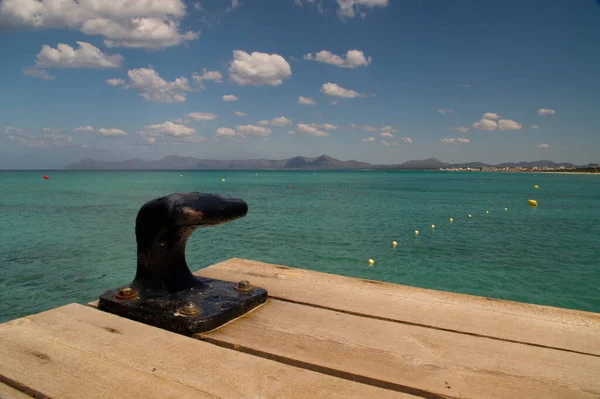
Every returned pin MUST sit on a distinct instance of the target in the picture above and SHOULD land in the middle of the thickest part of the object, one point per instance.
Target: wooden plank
(512, 321)
(58, 370)
(441, 362)
(138, 349)
(7, 392)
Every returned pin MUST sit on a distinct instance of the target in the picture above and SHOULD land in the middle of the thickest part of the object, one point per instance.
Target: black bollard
(164, 293)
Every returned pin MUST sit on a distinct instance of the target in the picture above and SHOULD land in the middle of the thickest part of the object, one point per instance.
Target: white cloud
(106, 132)
(225, 132)
(45, 140)
(407, 140)
(149, 33)
(49, 138)
(317, 3)
(169, 129)
(491, 115)
(306, 101)
(308, 129)
(386, 134)
(188, 139)
(535, 126)
(462, 129)
(368, 140)
(546, 111)
(85, 129)
(324, 126)
(542, 145)
(333, 102)
(229, 97)
(202, 116)
(279, 121)
(445, 111)
(389, 143)
(349, 8)
(352, 59)
(111, 132)
(214, 76)
(258, 69)
(11, 130)
(115, 82)
(459, 140)
(251, 130)
(388, 129)
(485, 124)
(85, 56)
(234, 4)
(198, 6)
(507, 124)
(143, 23)
(38, 73)
(366, 128)
(332, 89)
(154, 88)
(291, 132)
(263, 122)
(239, 113)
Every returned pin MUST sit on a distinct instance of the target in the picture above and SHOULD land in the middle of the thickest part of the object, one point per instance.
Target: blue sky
(391, 80)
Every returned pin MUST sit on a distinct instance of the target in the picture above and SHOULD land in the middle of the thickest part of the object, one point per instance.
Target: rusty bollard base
(195, 310)
(164, 293)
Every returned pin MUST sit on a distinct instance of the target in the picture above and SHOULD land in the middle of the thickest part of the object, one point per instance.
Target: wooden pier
(318, 336)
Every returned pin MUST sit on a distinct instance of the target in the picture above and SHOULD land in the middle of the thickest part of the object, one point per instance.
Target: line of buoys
(395, 244)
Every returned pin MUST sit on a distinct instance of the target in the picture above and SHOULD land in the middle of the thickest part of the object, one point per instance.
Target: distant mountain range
(324, 162)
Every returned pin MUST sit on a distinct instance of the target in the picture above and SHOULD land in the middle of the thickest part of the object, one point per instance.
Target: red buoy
(47, 177)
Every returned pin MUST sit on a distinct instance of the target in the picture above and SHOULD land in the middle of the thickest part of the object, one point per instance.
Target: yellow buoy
(451, 220)
(470, 216)
(433, 226)
(371, 261)
(506, 209)
(394, 243)
(487, 211)
(536, 186)
(533, 202)
(416, 232)
(223, 180)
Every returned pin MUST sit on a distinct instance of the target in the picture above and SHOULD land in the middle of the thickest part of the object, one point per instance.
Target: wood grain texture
(431, 360)
(7, 392)
(564, 329)
(75, 350)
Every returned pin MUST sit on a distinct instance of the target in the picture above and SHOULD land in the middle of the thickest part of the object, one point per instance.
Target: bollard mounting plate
(217, 302)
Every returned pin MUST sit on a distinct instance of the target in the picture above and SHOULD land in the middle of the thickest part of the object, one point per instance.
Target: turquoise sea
(70, 238)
